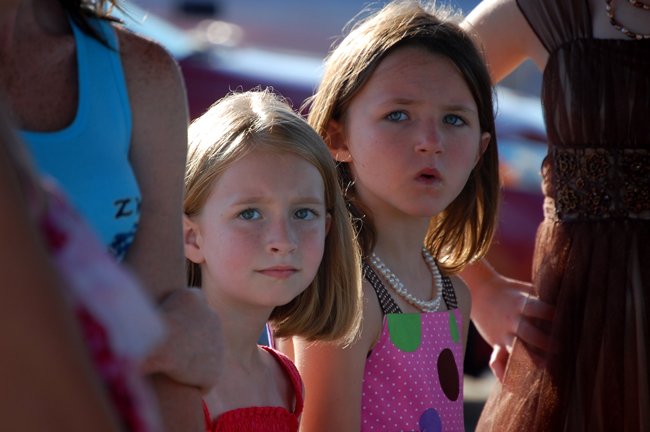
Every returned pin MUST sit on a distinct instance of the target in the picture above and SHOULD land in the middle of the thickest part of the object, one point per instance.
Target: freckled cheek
(370, 148)
(236, 248)
(378, 158)
(312, 244)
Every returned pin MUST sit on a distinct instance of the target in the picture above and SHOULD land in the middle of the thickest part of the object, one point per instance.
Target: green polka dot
(405, 331)
(453, 327)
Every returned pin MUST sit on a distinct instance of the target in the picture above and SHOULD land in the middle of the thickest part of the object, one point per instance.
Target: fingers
(185, 356)
(498, 361)
(524, 287)
(510, 342)
(535, 308)
(501, 355)
(533, 336)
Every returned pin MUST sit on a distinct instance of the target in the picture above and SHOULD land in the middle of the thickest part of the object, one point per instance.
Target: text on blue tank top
(90, 158)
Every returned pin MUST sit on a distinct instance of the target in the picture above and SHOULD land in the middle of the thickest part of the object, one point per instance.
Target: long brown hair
(463, 231)
(330, 308)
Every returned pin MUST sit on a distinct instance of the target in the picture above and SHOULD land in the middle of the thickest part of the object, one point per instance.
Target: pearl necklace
(423, 306)
(640, 4)
(612, 20)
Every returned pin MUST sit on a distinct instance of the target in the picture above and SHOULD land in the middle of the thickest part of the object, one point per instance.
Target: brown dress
(592, 257)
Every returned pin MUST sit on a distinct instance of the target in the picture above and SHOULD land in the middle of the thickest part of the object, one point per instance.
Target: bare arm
(333, 374)
(490, 290)
(501, 310)
(158, 154)
(47, 380)
(501, 30)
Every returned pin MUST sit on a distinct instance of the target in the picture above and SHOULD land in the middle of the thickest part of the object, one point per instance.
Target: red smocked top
(262, 419)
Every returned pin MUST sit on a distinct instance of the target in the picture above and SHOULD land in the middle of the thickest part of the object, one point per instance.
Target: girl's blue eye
(250, 214)
(305, 214)
(454, 120)
(397, 116)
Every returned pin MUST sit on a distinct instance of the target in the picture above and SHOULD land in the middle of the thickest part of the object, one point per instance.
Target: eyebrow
(399, 101)
(461, 108)
(404, 101)
(307, 199)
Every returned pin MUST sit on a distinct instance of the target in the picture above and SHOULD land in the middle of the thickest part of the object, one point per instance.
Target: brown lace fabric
(592, 252)
(601, 183)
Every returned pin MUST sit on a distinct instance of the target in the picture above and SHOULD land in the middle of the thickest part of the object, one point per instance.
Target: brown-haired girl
(405, 107)
(267, 237)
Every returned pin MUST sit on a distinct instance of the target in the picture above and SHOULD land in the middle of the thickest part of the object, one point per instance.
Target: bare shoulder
(146, 59)
(373, 316)
(155, 86)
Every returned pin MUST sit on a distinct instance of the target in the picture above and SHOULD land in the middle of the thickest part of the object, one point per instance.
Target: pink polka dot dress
(413, 377)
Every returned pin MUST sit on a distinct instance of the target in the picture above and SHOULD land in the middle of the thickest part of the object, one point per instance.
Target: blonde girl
(405, 107)
(267, 238)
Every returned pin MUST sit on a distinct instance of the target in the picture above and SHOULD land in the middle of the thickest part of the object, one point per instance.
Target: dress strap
(386, 302)
(207, 419)
(448, 293)
(556, 22)
(296, 380)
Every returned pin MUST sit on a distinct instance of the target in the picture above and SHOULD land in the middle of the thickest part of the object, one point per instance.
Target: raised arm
(501, 30)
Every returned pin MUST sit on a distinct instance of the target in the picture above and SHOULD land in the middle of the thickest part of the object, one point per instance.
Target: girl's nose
(430, 139)
(281, 238)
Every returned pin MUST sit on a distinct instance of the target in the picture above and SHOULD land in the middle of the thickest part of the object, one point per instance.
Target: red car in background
(213, 65)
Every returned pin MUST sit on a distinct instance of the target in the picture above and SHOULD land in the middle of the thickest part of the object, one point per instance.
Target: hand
(497, 308)
(193, 349)
(498, 361)
(504, 308)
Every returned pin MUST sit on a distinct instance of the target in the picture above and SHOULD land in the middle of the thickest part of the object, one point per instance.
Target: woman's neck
(30, 17)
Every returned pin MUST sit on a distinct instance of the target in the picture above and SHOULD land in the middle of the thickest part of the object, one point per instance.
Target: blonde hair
(330, 308)
(462, 233)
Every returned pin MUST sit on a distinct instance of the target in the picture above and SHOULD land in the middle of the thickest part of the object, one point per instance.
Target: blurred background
(225, 45)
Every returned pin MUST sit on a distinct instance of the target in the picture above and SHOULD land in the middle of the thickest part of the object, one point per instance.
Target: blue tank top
(90, 158)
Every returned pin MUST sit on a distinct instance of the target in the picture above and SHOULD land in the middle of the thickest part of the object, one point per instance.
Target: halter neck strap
(386, 301)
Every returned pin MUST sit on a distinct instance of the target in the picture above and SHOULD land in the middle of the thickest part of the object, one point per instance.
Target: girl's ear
(192, 241)
(485, 140)
(336, 142)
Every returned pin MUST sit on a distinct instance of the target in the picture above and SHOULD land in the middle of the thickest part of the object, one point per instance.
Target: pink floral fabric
(117, 320)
